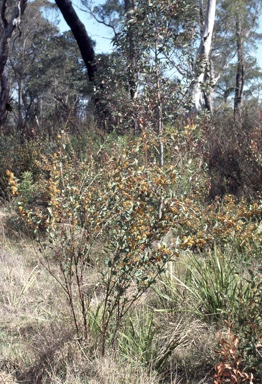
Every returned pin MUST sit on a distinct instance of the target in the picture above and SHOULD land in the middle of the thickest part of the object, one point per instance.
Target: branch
(100, 21)
(78, 29)
(3, 10)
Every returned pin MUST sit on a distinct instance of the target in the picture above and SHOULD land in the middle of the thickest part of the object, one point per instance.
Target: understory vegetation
(117, 270)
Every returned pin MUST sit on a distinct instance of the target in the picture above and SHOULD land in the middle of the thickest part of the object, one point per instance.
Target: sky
(102, 35)
(98, 32)
(259, 51)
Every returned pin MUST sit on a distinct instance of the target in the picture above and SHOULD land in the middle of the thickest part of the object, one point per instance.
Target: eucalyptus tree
(70, 91)
(48, 75)
(245, 20)
(28, 64)
(226, 85)
(227, 33)
(202, 68)
(151, 36)
(114, 14)
(10, 13)
(235, 38)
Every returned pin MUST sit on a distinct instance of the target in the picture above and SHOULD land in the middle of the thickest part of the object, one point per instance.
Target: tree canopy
(198, 52)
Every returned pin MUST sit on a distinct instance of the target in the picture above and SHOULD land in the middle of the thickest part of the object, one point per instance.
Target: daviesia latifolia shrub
(112, 203)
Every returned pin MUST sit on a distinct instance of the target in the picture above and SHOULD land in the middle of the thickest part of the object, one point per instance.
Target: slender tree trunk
(131, 58)
(160, 125)
(129, 6)
(209, 88)
(240, 71)
(20, 117)
(4, 97)
(7, 28)
(203, 66)
(78, 29)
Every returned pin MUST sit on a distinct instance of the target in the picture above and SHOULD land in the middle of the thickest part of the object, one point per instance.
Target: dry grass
(31, 302)
(37, 342)
(110, 371)
(6, 378)
(37, 338)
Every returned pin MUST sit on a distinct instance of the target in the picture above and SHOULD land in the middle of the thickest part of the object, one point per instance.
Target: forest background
(99, 33)
(130, 183)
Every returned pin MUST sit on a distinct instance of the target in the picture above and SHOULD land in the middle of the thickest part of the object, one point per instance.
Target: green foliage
(225, 88)
(248, 322)
(147, 339)
(137, 340)
(26, 186)
(21, 159)
(139, 85)
(218, 287)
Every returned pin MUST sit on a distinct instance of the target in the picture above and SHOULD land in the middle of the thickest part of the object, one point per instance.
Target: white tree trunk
(202, 65)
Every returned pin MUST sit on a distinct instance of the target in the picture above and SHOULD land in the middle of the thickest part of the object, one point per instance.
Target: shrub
(115, 205)
(233, 156)
(230, 369)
